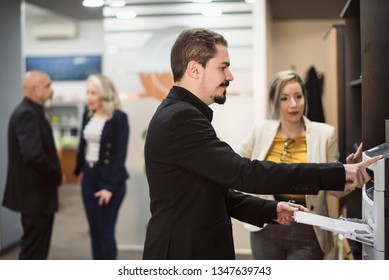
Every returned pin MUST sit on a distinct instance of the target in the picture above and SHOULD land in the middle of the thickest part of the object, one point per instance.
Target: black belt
(291, 199)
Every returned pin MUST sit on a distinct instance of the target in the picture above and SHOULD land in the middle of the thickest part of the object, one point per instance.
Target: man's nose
(229, 76)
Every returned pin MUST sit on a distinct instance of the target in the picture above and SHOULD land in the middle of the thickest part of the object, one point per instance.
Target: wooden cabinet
(367, 73)
(334, 97)
(374, 19)
(68, 163)
(334, 84)
(353, 96)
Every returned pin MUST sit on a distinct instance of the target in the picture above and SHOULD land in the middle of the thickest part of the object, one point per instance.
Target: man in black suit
(191, 172)
(34, 172)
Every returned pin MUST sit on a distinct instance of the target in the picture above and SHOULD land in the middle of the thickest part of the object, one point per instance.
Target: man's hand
(356, 175)
(355, 157)
(285, 211)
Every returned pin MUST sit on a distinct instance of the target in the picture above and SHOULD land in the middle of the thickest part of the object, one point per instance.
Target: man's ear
(32, 91)
(193, 69)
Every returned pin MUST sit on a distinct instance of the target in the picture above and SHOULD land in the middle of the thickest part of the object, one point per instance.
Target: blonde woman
(290, 137)
(101, 161)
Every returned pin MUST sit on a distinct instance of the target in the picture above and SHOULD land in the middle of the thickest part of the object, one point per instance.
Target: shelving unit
(66, 121)
(374, 20)
(353, 105)
(367, 72)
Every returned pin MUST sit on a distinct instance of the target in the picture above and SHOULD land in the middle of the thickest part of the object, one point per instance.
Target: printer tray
(360, 232)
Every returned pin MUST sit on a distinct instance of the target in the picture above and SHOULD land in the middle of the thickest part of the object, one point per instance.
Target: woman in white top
(291, 138)
(101, 161)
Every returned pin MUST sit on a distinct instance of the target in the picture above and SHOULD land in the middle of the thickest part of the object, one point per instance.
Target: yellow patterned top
(288, 150)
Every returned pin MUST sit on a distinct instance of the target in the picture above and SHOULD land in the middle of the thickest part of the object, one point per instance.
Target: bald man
(34, 172)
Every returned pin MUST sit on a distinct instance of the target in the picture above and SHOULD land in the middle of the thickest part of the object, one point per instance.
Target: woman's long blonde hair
(109, 96)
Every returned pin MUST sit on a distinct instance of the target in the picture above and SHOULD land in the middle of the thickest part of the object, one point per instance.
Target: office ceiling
(281, 9)
(69, 8)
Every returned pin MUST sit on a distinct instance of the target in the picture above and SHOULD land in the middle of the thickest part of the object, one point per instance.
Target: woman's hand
(355, 157)
(104, 196)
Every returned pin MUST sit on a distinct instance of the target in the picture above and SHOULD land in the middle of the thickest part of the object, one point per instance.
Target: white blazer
(322, 147)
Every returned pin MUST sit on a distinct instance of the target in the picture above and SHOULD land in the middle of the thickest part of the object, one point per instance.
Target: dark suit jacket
(113, 151)
(190, 173)
(34, 172)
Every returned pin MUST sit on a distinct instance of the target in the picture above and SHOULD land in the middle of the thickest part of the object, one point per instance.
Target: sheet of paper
(334, 225)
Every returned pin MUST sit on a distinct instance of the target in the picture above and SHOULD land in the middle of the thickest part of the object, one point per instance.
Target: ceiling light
(93, 3)
(126, 15)
(201, 1)
(250, 1)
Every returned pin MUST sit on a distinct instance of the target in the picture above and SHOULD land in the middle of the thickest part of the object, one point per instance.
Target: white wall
(300, 44)
(90, 41)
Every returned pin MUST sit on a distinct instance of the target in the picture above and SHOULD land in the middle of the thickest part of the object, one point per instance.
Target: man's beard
(220, 99)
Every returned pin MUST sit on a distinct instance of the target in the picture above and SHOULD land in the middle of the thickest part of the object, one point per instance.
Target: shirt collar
(183, 94)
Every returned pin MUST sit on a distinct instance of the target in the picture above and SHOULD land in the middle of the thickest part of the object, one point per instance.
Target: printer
(375, 204)
(373, 229)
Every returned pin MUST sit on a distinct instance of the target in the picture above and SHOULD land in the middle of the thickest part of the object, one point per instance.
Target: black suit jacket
(190, 174)
(34, 172)
(113, 150)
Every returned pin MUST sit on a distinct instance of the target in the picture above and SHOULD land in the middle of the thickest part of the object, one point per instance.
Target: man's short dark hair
(197, 44)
